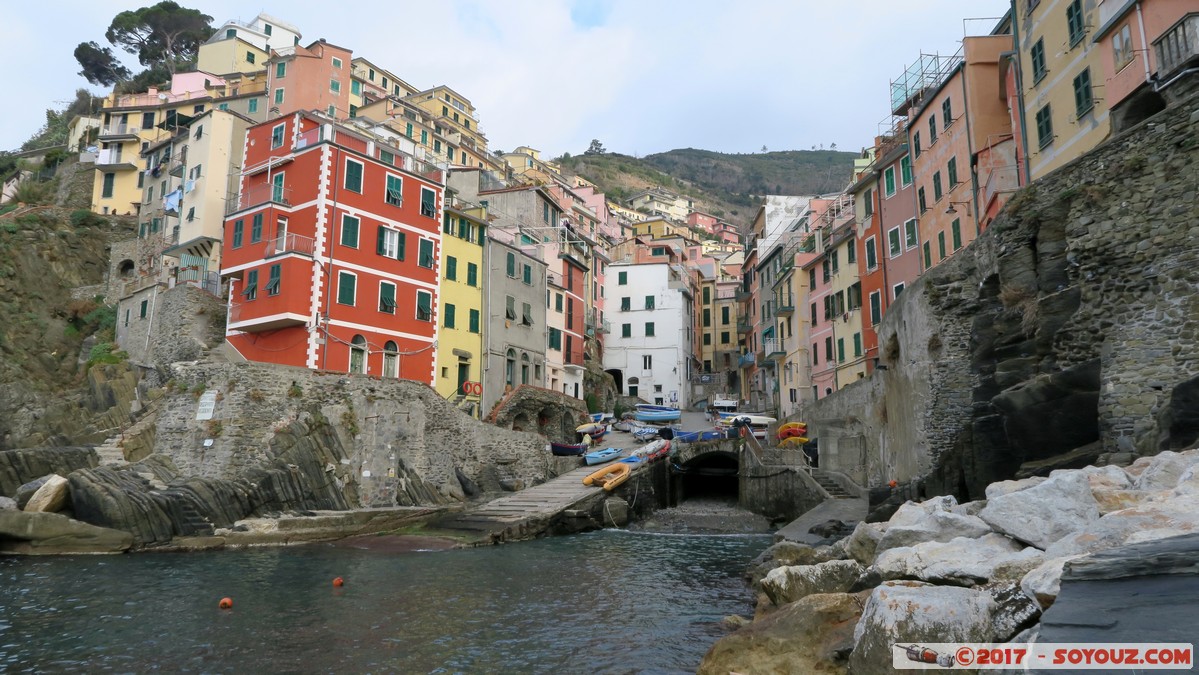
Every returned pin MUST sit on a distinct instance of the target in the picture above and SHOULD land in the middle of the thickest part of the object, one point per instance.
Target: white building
(648, 352)
(264, 32)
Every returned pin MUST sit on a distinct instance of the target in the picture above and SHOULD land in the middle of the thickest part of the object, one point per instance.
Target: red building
(332, 246)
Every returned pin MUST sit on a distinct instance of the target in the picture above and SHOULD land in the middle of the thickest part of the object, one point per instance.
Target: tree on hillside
(596, 148)
(100, 65)
(165, 34)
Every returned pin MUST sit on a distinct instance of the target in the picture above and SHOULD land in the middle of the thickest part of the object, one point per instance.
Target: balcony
(114, 132)
(1178, 46)
(741, 296)
(246, 318)
(745, 361)
(290, 243)
(1000, 179)
(257, 195)
(773, 348)
(112, 159)
(743, 327)
(785, 309)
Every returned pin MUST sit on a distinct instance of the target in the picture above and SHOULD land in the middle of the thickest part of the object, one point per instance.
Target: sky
(641, 76)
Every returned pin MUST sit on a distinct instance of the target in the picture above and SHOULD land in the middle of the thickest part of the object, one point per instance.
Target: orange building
(316, 77)
(331, 245)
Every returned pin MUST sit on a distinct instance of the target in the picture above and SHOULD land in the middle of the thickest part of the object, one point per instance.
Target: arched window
(390, 359)
(510, 368)
(524, 368)
(358, 355)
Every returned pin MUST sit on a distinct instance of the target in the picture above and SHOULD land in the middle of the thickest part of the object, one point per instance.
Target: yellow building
(455, 118)
(662, 228)
(460, 336)
(370, 83)
(231, 55)
(526, 163)
(1060, 68)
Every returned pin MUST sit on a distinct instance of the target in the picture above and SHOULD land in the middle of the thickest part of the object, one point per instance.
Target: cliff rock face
(1071, 324)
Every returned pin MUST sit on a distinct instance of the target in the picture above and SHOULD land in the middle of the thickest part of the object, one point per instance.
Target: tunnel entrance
(711, 477)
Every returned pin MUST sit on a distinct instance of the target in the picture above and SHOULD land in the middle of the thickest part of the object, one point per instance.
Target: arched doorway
(358, 355)
(633, 382)
(711, 477)
(510, 368)
(524, 368)
(617, 377)
(391, 357)
(125, 268)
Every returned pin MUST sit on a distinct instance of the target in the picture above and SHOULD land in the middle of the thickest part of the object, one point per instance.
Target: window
(649, 302)
(424, 306)
(346, 283)
(647, 361)
(707, 318)
(1122, 47)
(851, 257)
(511, 265)
(811, 275)
(109, 183)
(474, 321)
(349, 231)
(472, 274)
(425, 253)
(937, 186)
(251, 290)
(266, 28)
(1084, 97)
(1075, 22)
(528, 275)
(509, 308)
(277, 135)
(928, 256)
(956, 230)
(557, 302)
(447, 318)
(1037, 56)
(868, 207)
(871, 254)
(390, 243)
(893, 242)
(249, 57)
(815, 320)
(253, 105)
(424, 137)
(910, 236)
(428, 203)
(840, 350)
(387, 297)
(370, 74)
(941, 244)
(828, 349)
(622, 278)
(724, 315)
(255, 229)
(355, 87)
(395, 191)
(273, 281)
(857, 344)
(834, 258)
(905, 170)
(897, 290)
(279, 96)
(815, 354)
(526, 314)
(280, 69)
(649, 329)
(451, 268)
(916, 144)
(946, 113)
(708, 341)
(876, 308)
(1044, 126)
(932, 129)
(337, 63)
(889, 181)
(724, 337)
(238, 231)
(853, 296)
(626, 304)
(353, 176)
(555, 339)
(920, 200)
(626, 330)
(952, 170)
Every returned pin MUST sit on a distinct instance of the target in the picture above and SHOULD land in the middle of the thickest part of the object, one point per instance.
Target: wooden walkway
(525, 514)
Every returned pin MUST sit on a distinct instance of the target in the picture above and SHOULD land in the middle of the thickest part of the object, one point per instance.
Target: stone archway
(618, 378)
(710, 476)
(126, 268)
(521, 422)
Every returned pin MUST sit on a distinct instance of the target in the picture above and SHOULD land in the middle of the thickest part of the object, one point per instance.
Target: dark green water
(603, 602)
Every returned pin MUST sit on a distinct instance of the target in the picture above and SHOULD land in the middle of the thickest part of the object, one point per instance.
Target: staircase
(831, 486)
(110, 451)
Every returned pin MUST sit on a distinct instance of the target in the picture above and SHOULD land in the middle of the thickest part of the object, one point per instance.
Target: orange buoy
(226, 603)
(893, 483)
(339, 582)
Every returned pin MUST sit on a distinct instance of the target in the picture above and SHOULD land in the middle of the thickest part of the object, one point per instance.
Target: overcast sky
(642, 76)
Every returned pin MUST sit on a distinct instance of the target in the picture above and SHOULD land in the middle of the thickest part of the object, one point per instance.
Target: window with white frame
(894, 244)
(911, 238)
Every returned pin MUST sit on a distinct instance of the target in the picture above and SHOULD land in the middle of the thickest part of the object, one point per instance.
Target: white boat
(759, 425)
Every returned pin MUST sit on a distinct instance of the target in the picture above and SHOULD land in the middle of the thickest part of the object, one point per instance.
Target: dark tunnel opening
(709, 477)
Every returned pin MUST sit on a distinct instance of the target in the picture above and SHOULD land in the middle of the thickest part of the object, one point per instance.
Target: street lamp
(951, 210)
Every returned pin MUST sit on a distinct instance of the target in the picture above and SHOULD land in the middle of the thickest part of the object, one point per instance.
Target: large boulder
(912, 513)
(788, 584)
(1014, 611)
(18, 467)
(935, 526)
(862, 544)
(961, 561)
(51, 497)
(1042, 514)
(1162, 471)
(1042, 582)
(37, 533)
(786, 553)
(1006, 487)
(812, 635)
(8, 504)
(1158, 516)
(916, 612)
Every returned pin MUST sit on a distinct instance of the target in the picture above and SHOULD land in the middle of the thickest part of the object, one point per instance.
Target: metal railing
(113, 156)
(255, 196)
(291, 243)
(1178, 45)
(119, 130)
(772, 346)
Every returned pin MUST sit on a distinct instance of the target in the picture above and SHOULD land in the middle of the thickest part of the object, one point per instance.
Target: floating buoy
(226, 603)
(339, 582)
(893, 483)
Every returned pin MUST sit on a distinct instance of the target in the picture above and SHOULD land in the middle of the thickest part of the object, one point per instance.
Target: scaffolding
(929, 71)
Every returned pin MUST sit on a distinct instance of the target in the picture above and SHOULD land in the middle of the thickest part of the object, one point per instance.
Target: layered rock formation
(1045, 554)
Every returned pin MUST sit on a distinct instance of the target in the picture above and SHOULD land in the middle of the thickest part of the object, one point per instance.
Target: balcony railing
(1001, 179)
(726, 294)
(290, 243)
(256, 196)
(773, 348)
(785, 310)
(743, 327)
(114, 157)
(745, 360)
(119, 130)
(1178, 45)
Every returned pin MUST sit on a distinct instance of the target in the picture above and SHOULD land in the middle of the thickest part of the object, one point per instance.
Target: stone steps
(110, 452)
(832, 487)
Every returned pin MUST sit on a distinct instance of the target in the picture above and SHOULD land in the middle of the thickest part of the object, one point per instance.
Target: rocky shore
(1084, 555)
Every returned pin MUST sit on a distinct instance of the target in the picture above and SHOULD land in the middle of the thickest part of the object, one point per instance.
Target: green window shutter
(353, 176)
(276, 277)
(448, 312)
(400, 247)
(649, 329)
(649, 302)
(528, 275)
(425, 251)
(626, 304)
(511, 264)
(451, 268)
(256, 229)
(840, 349)
(474, 321)
(558, 302)
(355, 87)
(957, 233)
(889, 181)
(380, 240)
(428, 203)
(905, 168)
(952, 169)
(387, 298)
(928, 256)
(251, 290)
(622, 278)
(464, 229)
(626, 330)
(346, 284)
(472, 274)
(447, 224)
(279, 96)
(253, 105)
(280, 69)
(941, 244)
(876, 309)
(349, 231)
(395, 191)
(424, 306)
(408, 130)
(238, 232)
(857, 344)
(936, 186)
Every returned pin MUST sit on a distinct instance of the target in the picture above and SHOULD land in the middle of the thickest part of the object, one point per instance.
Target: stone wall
(1072, 321)
(181, 324)
(551, 414)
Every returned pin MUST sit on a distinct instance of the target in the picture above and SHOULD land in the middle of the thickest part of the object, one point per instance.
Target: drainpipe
(1144, 43)
(1020, 94)
(331, 228)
